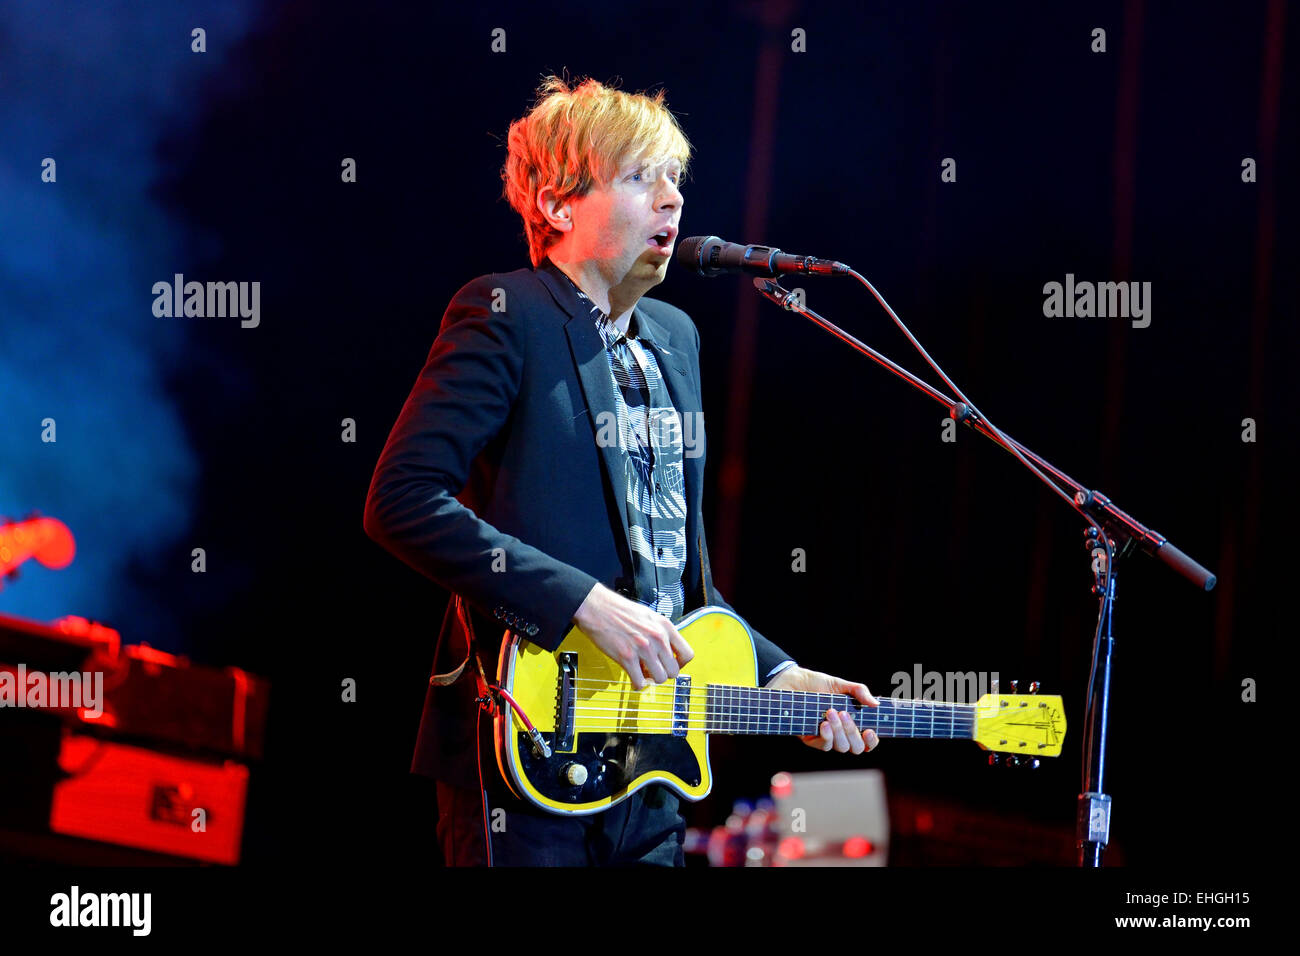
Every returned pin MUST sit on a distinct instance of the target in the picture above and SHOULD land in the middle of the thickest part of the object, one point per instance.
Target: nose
(670, 197)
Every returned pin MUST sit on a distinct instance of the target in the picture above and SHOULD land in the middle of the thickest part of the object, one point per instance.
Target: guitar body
(584, 705)
(594, 740)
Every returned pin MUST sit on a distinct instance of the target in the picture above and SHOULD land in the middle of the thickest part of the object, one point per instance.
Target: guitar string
(965, 733)
(650, 716)
(940, 719)
(619, 702)
(800, 727)
(592, 723)
(772, 692)
(710, 705)
(646, 703)
(668, 693)
(728, 707)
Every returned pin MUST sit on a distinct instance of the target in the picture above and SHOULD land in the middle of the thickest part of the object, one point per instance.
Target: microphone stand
(1111, 534)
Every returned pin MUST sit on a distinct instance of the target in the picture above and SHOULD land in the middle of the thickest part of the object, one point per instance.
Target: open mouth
(662, 240)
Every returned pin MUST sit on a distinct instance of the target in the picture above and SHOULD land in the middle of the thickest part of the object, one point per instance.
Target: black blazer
(492, 483)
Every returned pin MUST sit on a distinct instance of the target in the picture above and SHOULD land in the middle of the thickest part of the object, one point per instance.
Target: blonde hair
(574, 138)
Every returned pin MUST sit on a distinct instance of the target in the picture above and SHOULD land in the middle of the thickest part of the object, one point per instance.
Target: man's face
(628, 228)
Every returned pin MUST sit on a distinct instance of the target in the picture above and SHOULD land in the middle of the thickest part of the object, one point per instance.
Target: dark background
(1111, 166)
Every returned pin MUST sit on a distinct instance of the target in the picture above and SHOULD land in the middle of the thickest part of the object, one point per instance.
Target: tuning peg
(1014, 685)
(1032, 763)
(1012, 760)
(1033, 687)
(994, 758)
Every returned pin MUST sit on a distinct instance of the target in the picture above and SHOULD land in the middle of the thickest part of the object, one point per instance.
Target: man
(540, 469)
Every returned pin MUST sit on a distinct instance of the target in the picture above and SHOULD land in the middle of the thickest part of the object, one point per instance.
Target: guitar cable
(489, 702)
(478, 759)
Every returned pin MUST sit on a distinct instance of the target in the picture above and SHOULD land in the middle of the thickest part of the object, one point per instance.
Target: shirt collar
(609, 332)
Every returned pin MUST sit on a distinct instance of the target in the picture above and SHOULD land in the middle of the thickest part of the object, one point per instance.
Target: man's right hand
(643, 642)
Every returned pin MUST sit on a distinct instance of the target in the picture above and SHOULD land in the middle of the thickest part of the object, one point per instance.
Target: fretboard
(762, 710)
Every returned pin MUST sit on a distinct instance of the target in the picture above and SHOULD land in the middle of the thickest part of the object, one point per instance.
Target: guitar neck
(762, 710)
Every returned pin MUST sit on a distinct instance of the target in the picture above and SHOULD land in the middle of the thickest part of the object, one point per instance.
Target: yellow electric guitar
(588, 740)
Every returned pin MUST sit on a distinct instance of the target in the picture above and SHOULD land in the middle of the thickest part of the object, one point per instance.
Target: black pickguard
(612, 761)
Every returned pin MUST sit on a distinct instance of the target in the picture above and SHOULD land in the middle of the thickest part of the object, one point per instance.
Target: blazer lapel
(589, 358)
(598, 390)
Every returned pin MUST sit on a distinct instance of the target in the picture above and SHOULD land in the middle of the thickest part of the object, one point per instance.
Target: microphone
(711, 256)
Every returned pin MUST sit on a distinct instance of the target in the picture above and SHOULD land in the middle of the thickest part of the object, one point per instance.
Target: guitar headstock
(1023, 726)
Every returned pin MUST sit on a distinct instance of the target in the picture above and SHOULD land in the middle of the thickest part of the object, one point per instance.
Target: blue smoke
(95, 86)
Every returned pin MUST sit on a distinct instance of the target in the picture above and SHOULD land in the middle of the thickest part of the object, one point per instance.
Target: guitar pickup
(681, 705)
(565, 698)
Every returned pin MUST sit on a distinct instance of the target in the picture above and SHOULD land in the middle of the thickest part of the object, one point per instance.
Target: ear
(559, 216)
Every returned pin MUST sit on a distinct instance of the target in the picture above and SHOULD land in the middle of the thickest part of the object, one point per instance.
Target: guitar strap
(471, 650)
(485, 700)
(706, 575)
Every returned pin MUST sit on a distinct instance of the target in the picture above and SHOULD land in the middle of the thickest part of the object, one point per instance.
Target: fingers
(680, 648)
(842, 742)
(858, 691)
(635, 672)
(665, 652)
(653, 668)
(654, 652)
(663, 647)
(840, 733)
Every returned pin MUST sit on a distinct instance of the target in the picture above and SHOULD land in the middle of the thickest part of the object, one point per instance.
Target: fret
(733, 709)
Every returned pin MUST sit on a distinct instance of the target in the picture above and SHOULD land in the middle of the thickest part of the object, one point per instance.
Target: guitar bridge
(566, 693)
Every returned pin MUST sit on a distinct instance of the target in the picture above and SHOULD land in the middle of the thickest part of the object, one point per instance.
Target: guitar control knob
(1015, 687)
(1033, 687)
(575, 774)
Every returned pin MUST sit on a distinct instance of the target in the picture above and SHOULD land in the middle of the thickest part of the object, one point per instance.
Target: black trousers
(646, 829)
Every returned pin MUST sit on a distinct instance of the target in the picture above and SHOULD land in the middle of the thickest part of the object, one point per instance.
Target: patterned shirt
(650, 432)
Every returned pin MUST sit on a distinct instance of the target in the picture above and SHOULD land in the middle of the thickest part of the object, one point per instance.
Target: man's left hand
(837, 731)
